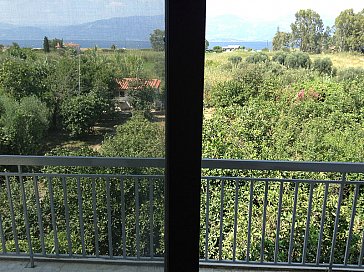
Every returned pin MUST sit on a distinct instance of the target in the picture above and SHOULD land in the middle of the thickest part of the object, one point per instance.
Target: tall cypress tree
(46, 45)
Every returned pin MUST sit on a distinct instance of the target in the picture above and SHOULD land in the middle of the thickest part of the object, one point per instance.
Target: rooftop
(137, 83)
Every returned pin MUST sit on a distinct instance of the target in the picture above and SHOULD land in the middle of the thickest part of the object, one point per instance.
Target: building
(127, 85)
(230, 48)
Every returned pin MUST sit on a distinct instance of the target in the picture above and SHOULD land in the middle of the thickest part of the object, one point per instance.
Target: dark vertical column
(185, 46)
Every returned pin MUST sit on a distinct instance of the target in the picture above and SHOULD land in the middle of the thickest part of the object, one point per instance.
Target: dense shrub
(350, 74)
(257, 57)
(298, 60)
(280, 57)
(23, 125)
(323, 66)
(81, 112)
(138, 137)
(235, 60)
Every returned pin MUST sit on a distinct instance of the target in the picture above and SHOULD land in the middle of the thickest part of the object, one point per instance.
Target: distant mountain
(234, 28)
(121, 28)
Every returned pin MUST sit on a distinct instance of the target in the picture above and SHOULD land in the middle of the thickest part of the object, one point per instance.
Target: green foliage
(20, 78)
(281, 41)
(257, 57)
(157, 39)
(349, 34)
(46, 47)
(23, 125)
(235, 60)
(217, 49)
(298, 60)
(142, 99)
(81, 112)
(280, 57)
(138, 137)
(323, 66)
(307, 31)
(207, 44)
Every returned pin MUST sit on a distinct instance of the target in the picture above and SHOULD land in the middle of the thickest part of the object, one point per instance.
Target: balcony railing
(112, 210)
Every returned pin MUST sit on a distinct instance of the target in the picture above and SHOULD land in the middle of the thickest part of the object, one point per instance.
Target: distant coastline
(84, 43)
(257, 45)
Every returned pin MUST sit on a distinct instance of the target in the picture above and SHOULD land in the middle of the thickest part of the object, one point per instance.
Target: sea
(257, 45)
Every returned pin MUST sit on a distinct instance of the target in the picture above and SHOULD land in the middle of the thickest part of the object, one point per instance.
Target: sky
(66, 12)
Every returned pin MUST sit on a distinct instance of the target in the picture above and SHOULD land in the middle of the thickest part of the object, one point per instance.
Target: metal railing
(111, 209)
(285, 215)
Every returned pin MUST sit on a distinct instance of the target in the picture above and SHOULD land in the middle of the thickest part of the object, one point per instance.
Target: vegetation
(309, 34)
(157, 40)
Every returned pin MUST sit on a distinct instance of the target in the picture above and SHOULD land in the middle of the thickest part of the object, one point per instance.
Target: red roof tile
(135, 83)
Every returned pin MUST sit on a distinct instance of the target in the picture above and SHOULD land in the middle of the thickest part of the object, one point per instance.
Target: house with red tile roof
(127, 85)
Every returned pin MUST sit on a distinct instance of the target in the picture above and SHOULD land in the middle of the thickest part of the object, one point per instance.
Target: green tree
(307, 31)
(157, 39)
(46, 45)
(281, 41)
(349, 34)
(138, 137)
(207, 44)
(23, 125)
(81, 112)
(217, 49)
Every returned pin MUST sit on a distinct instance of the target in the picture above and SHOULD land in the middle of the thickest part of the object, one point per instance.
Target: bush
(323, 66)
(235, 60)
(298, 60)
(280, 57)
(22, 125)
(217, 49)
(257, 57)
(138, 137)
(81, 112)
(350, 74)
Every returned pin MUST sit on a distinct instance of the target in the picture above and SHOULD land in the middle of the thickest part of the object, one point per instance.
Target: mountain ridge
(116, 28)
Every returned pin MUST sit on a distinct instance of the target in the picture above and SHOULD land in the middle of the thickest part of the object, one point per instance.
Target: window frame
(185, 53)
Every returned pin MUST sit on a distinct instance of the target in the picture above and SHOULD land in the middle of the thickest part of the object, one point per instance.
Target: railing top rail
(81, 161)
(341, 167)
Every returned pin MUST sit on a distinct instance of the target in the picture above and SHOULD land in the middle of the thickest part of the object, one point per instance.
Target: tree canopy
(157, 39)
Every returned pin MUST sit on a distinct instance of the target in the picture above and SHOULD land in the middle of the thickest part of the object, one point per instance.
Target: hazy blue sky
(61, 12)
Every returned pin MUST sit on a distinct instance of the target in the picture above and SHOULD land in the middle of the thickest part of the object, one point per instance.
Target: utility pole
(79, 72)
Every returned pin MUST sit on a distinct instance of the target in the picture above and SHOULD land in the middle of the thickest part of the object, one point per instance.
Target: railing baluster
(66, 211)
(26, 218)
(291, 240)
(53, 214)
(264, 221)
(151, 226)
(2, 233)
(322, 223)
(2, 236)
(360, 261)
(137, 227)
(336, 226)
(39, 214)
(96, 228)
(249, 221)
(207, 219)
(123, 216)
(353, 211)
(235, 217)
(221, 218)
(80, 215)
(276, 247)
(109, 230)
(13, 222)
(308, 220)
